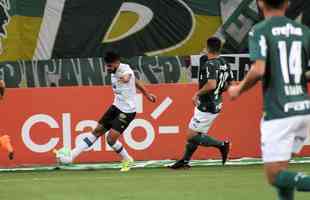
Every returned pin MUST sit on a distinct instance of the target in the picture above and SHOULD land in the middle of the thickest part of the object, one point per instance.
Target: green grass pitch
(213, 183)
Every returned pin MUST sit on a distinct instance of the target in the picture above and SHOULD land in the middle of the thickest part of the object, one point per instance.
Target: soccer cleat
(127, 165)
(225, 151)
(63, 156)
(180, 164)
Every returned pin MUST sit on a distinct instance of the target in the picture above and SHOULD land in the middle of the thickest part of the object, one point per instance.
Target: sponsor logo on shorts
(196, 120)
(122, 116)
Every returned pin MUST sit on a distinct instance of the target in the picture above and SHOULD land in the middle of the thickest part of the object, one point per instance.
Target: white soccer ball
(64, 156)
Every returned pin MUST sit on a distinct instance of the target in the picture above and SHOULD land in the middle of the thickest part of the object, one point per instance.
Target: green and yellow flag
(47, 29)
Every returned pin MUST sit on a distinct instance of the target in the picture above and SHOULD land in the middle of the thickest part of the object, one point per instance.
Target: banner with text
(55, 117)
(78, 72)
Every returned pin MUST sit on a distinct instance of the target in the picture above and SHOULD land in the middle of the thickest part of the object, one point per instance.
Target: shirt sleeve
(126, 70)
(258, 45)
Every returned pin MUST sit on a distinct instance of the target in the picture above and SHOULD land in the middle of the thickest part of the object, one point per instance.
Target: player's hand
(195, 99)
(151, 97)
(234, 92)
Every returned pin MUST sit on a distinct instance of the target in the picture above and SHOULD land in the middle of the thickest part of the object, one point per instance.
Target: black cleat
(180, 164)
(11, 155)
(225, 151)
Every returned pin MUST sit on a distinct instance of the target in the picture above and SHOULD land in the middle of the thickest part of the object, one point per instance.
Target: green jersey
(285, 46)
(214, 69)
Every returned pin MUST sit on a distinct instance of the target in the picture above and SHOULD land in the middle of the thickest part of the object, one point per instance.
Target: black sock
(207, 141)
(190, 149)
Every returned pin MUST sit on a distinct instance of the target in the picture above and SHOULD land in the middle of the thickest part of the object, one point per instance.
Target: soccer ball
(64, 156)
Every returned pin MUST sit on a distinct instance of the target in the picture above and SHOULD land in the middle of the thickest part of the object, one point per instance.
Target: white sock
(118, 148)
(83, 144)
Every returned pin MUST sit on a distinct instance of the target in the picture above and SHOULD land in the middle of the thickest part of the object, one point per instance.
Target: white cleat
(63, 156)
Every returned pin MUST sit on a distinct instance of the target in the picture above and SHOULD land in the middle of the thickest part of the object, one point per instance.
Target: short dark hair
(111, 57)
(214, 45)
(275, 4)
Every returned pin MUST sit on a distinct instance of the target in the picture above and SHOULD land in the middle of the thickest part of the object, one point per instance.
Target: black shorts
(115, 119)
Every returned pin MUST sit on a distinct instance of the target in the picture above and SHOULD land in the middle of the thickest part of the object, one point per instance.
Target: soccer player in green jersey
(280, 51)
(214, 77)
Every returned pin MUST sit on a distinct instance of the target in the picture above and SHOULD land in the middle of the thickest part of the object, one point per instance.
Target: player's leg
(66, 156)
(208, 141)
(196, 139)
(89, 139)
(198, 127)
(190, 149)
(272, 170)
(278, 144)
(117, 146)
(286, 182)
(118, 126)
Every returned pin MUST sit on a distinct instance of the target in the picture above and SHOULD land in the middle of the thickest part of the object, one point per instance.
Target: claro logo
(65, 127)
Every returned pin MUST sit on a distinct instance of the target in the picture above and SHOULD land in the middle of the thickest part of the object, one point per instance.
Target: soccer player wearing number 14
(214, 77)
(280, 51)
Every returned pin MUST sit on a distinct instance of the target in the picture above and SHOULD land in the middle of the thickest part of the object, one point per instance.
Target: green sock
(206, 141)
(302, 182)
(190, 149)
(286, 194)
(292, 180)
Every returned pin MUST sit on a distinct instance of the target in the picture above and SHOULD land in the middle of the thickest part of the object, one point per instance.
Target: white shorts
(201, 121)
(280, 138)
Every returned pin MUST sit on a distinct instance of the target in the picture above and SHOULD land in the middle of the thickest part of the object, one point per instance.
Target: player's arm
(258, 53)
(207, 87)
(2, 89)
(255, 74)
(230, 83)
(209, 74)
(307, 73)
(151, 97)
(126, 78)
